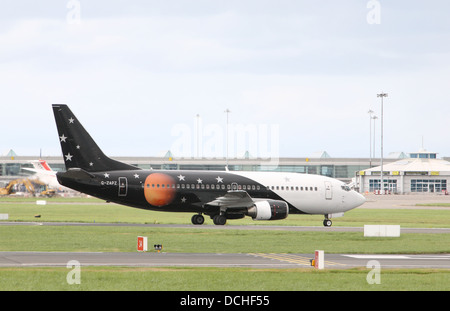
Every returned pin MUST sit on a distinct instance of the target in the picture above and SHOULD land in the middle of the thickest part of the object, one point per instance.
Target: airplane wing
(233, 199)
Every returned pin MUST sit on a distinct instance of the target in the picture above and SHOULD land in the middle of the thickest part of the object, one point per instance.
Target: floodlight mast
(370, 112)
(226, 159)
(382, 95)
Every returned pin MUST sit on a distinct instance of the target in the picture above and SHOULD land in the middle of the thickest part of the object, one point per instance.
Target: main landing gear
(218, 219)
(198, 219)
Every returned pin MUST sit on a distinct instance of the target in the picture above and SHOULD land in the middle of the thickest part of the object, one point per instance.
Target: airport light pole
(382, 95)
(198, 134)
(227, 112)
(370, 112)
(374, 134)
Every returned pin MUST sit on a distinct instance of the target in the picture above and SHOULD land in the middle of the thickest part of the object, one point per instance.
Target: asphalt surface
(227, 227)
(250, 260)
(259, 260)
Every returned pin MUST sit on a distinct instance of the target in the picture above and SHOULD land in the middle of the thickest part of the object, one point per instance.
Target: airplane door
(123, 186)
(328, 191)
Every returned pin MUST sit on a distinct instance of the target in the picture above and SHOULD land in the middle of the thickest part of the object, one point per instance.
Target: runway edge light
(142, 244)
(158, 247)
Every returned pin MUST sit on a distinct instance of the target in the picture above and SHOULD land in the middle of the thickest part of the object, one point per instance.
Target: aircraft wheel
(198, 219)
(327, 223)
(219, 220)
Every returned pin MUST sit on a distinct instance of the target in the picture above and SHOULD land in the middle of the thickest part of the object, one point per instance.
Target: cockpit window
(345, 187)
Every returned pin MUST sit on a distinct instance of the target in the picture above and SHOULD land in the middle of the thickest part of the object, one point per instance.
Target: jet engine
(268, 210)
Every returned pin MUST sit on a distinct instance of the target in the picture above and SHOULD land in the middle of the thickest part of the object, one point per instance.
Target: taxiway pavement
(251, 260)
(227, 227)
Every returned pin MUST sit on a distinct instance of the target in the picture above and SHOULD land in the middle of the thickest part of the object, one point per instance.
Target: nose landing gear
(327, 222)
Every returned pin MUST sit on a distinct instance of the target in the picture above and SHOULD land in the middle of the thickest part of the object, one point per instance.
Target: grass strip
(221, 279)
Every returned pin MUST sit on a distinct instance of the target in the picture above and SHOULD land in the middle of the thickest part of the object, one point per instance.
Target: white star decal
(136, 176)
(63, 138)
(183, 200)
(78, 146)
(219, 179)
(91, 164)
(106, 175)
(68, 157)
(199, 181)
(71, 120)
(181, 177)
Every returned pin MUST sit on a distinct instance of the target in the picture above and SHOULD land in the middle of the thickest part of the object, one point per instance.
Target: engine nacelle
(268, 210)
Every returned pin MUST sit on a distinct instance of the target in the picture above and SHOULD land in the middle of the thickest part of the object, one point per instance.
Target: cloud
(313, 69)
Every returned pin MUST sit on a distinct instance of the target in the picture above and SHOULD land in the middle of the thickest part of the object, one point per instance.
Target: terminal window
(375, 184)
(428, 185)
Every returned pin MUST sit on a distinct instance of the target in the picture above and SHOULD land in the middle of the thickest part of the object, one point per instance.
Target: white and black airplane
(221, 195)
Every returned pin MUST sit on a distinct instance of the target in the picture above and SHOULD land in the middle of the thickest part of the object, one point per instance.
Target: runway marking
(300, 260)
(378, 256)
(418, 256)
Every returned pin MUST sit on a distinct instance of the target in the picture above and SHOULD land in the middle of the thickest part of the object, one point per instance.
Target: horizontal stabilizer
(76, 173)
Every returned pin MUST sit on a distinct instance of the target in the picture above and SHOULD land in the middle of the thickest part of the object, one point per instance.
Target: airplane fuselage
(189, 191)
(221, 195)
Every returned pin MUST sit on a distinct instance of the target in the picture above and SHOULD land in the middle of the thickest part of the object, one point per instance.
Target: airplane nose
(359, 199)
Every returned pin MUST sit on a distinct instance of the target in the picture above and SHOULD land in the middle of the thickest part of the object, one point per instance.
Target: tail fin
(41, 165)
(78, 147)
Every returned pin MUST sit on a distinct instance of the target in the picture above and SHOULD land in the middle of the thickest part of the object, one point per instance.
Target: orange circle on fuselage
(159, 189)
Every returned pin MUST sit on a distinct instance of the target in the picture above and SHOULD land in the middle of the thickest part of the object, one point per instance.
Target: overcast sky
(297, 76)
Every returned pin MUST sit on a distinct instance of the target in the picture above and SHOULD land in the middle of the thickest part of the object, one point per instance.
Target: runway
(250, 260)
(227, 227)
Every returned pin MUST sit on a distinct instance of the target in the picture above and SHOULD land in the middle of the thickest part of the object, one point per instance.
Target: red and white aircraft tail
(44, 173)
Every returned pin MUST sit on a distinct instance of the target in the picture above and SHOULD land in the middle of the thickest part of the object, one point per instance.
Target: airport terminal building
(421, 172)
